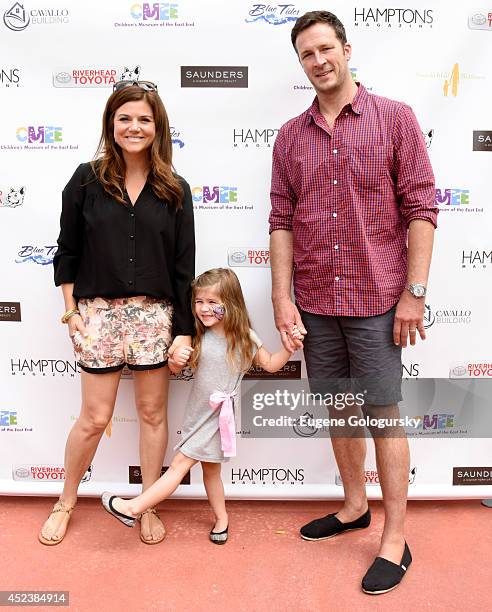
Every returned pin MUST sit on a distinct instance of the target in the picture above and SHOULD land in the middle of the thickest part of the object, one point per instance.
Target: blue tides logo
(11, 197)
(273, 14)
(41, 255)
(176, 137)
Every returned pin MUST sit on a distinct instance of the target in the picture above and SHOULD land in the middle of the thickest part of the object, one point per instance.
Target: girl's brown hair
(236, 321)
(109, 165)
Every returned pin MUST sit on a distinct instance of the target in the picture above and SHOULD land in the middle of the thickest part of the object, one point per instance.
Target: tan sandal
(151, 511)
(58, 507)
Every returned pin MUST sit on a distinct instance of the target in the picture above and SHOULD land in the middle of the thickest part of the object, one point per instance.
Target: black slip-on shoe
(384, 575)
(329, 526)
(219, 537)
(107, 502)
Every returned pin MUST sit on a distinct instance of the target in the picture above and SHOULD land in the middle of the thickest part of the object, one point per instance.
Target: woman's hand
(177, 342)
(75, 324)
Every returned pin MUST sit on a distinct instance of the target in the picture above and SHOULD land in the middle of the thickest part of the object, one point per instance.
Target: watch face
(418, 290)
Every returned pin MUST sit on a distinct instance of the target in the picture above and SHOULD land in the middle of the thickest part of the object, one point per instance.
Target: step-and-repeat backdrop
(229, 79)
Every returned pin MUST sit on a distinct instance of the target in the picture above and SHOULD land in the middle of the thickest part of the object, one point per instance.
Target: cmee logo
(39, 134)
(273, 14)
(8, 418)
(452, 197)
(155, 11)
(42, 256)
(436, 421)
(215, 194)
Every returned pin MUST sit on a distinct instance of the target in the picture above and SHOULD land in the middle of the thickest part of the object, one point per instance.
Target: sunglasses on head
(145, 85)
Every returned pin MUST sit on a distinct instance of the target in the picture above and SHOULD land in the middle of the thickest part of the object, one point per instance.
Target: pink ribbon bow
(227, 425)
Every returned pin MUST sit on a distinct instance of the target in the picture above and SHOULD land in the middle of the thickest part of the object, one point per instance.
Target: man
(352, 221)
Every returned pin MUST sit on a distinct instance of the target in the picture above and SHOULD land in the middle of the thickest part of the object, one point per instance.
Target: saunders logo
(10, 311)
(214, 76)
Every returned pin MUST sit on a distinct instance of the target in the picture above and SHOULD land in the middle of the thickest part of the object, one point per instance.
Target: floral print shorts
(134, 331)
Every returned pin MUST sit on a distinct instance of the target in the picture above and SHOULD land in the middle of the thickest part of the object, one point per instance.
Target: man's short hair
(312, 17)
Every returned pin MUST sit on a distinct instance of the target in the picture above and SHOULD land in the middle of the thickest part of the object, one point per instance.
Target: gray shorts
(353, 354)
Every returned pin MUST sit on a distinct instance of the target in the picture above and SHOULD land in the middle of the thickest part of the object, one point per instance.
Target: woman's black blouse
(114, 250)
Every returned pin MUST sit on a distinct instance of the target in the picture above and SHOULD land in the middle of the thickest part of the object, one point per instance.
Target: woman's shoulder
(182, 180)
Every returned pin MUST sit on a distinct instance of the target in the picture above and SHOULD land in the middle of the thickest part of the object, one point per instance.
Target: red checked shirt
(348, 195)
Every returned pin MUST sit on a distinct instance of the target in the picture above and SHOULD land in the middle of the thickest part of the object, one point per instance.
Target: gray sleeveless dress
(200, 435)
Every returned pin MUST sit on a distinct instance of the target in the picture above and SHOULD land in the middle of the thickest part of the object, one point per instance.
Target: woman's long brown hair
(236, 320)
(109, 165)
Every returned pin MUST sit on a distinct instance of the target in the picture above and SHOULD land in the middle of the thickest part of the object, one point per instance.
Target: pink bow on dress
(227, 425)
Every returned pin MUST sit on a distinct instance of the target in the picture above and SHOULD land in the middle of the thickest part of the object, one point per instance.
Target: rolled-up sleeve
(68, 255)
(282, 195)
(184, 266)
(415, 184)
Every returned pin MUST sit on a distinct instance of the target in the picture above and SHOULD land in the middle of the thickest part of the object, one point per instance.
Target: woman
(125, 261)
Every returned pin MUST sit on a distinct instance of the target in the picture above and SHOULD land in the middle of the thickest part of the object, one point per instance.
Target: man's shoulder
(385, 104)
(292, 126)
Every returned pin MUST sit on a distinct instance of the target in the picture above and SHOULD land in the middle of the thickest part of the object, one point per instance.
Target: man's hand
(409, 318)
(286, 317)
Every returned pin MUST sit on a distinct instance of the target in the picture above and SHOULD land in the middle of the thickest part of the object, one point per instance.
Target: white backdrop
(223, 137)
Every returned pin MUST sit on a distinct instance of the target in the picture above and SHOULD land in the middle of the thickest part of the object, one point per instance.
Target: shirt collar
(357, 105)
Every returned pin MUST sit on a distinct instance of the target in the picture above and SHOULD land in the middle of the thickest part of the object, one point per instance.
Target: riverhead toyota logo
(480, 20)
(372, 477)
(273, 14)
(249, 257)
(17, 17)
(398, 18)
(44, 473)
(95, 76)
(214, 76)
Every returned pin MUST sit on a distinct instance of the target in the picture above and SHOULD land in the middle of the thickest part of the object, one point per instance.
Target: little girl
(224, 348)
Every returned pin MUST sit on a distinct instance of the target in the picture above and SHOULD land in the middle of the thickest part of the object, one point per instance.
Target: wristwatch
(417, 289)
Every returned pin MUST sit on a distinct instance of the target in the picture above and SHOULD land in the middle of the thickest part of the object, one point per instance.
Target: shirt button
(336, 247)
(337, 278)
(130, 282)
(131, 260)
(132, 237)
(346, 114)
(335, 182)
(132, 214)
(335, 151)
(334, 214)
